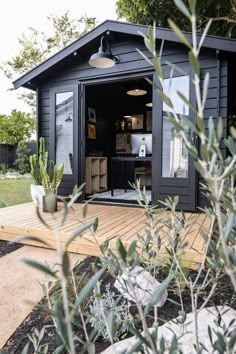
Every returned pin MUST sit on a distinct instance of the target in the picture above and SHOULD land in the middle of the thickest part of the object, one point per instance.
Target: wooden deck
(114, 222)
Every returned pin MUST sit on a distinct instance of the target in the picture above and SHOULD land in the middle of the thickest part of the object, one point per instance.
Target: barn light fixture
(69, 118)
(103, 58)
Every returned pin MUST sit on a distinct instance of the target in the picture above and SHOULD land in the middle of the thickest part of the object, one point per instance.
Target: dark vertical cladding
(217, 101)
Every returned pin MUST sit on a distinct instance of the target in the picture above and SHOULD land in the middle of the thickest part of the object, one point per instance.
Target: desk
(125, 159)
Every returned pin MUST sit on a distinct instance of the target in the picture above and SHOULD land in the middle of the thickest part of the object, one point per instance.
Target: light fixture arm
(104, 41)
(104, 57)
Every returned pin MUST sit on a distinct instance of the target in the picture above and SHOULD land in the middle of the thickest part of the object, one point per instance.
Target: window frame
(53, 92)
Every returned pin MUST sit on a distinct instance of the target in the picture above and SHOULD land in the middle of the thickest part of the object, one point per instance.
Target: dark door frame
(81, 126)
(157, 180)
(191, 181)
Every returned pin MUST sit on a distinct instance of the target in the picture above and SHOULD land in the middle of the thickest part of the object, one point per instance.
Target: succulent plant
(51, 179)
(38, 160)
(48, 176)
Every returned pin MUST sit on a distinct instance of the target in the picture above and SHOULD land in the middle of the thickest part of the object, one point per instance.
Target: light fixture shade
(102, 60)
(136, 92)
(149, 104)
(69, 118)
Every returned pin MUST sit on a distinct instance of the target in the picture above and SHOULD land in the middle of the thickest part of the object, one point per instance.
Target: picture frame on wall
(91, 131)
(123, 143)
(137, 121)
(91, 115)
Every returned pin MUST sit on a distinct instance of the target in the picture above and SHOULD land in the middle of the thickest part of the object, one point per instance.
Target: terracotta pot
(37, 193)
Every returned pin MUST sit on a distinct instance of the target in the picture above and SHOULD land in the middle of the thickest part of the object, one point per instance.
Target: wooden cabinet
(96, 174)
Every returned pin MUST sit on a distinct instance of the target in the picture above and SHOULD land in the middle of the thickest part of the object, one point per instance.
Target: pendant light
(149, 104)
(136, 92)
(104, 58)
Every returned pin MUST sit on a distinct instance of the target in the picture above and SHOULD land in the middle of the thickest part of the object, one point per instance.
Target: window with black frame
(64, 130)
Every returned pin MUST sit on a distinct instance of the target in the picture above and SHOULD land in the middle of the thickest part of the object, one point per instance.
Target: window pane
(64, 130)
(171, 86)
(174, 152)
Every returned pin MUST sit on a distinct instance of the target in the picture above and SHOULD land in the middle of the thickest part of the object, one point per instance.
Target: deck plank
(114, 222)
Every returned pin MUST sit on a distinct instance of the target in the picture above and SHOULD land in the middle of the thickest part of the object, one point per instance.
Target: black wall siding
(131, 61)
(216, 105)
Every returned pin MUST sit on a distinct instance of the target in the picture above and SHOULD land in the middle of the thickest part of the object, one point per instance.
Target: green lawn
(14, 192)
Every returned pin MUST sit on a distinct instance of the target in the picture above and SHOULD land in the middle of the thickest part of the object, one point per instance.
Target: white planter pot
(37, 193)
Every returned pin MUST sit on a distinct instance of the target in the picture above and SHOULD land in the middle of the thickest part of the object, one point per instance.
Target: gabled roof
(213, 42)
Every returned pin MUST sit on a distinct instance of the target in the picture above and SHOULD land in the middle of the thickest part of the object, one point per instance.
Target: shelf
(103, 166)
(96, 174)
(94, 167)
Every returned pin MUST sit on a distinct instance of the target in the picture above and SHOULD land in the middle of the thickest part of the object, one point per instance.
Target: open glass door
(173, 168)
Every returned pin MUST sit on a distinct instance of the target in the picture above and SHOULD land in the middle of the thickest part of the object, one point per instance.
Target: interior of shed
(118, 134)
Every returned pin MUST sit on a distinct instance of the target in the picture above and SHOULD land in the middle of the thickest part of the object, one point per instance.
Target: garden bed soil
(224, 295)
(7, 247)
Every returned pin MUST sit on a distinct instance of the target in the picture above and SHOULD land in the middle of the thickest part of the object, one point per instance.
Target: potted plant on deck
(46, 179)
(51, 180)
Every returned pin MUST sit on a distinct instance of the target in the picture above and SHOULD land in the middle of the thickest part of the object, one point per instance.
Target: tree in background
(146, 12)
(16, 127)
(22, 157)
(36, 46)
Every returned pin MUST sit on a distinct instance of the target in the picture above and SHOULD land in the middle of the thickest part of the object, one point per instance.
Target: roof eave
(70, 49)
(211, 42)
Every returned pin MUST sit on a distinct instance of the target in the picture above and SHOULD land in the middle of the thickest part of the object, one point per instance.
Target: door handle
(193, 139)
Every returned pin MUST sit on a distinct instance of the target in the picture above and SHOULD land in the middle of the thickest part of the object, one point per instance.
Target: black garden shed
(109, 126)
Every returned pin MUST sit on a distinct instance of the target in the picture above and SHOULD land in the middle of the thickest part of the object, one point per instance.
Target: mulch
(224, 295)
(6, 247)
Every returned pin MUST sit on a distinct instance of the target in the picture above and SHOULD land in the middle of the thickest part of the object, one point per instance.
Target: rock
(206, 317)
(144, 285)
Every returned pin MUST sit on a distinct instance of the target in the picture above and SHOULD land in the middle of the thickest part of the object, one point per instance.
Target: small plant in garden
(3, 168)
(22, 158)
(36, 338)
(47, 177)
(103, 305)
(109, 264)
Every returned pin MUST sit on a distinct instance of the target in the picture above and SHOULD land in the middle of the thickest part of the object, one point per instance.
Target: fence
(8, 153)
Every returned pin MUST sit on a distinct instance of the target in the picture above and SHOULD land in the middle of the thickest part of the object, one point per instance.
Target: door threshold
(111, 203)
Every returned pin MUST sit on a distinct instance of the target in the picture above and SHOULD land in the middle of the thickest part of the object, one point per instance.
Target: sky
(17, 16)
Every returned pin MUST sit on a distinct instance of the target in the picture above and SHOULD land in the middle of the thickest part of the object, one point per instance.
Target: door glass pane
(64, 130)
(171, 87)
(174, 152)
